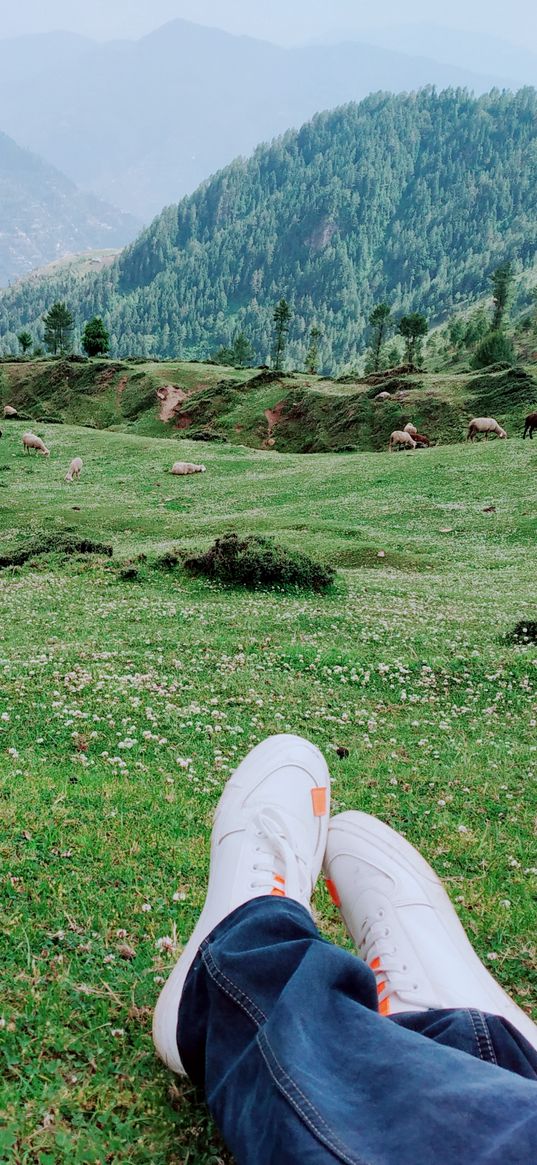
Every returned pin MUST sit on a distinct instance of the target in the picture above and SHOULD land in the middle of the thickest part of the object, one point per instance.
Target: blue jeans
(281, 1030)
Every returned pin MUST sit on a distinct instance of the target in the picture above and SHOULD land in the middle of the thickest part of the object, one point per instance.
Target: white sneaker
(269, 837)
(405, 927)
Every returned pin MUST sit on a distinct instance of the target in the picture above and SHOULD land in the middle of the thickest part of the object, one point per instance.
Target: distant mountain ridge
(141, 123)
(44, 216)
(411, 199)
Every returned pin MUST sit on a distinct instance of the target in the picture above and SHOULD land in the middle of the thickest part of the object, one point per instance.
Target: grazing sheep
(485, 425)
(530, 424)
(422, 442)
(183, 467)
(400, 440)
(30, 441)
(410, 428)
(74, 469)
(383, 396)
(9, 411)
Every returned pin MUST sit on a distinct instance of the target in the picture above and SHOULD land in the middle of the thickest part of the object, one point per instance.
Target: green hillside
(292, 412)
(127, 704)
(411, 198)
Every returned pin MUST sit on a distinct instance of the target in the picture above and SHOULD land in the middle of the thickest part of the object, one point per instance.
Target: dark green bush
(495, 348)
(53, 544)
(260, 562)
(525, 631)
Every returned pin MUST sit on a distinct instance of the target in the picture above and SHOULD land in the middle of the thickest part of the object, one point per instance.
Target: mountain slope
(44, 216)
(413, 198)
(142, 123)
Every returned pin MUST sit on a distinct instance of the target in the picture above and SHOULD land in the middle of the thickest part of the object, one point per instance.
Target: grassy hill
(294, 412)
(127, 704)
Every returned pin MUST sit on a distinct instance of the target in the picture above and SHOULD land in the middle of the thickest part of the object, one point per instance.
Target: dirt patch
(170, 397)
(184, 422)
(273, 417)
(120, 389)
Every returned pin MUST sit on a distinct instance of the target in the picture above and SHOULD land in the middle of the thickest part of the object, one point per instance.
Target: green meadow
(126, 703)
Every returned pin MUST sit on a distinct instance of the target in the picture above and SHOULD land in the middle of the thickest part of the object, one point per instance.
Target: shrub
(53, 544)
(525, 631)
(260, 562)
(495, 348)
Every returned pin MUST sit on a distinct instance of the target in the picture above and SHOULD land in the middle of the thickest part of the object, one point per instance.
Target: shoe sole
(251, 771)
(361, 825)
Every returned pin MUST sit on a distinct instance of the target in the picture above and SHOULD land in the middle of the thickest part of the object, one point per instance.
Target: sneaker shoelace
(279, 868)
(378, 950)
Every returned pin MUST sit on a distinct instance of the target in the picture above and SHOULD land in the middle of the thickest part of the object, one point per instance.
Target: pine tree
(412, 328)
(95, 338)
(59, 325)
(25, 341)
(242, 351)
(312, 354)
(379, 322)
(502, 283)
(281, 316)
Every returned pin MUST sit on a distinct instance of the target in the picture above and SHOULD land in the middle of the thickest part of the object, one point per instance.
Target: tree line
(489, 339)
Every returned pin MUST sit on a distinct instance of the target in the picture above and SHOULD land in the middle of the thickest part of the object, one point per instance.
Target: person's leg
(405, 927)
(281, 1030)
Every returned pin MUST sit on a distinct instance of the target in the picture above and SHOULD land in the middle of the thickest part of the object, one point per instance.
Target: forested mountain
(412, 199)
(44, 216)
(141, 123)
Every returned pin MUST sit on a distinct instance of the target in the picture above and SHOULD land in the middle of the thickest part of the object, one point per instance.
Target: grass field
(125, 706)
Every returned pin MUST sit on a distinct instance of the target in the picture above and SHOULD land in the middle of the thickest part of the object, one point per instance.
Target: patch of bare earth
(170, 397)
(273, 417)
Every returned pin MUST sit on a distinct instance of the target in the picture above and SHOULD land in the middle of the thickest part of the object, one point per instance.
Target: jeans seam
(327, 1137)
(482, 1033)
(231, 990)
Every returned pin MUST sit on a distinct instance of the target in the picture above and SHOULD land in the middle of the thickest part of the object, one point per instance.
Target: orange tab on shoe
(276, 893)
(318, 797)
(332, 890)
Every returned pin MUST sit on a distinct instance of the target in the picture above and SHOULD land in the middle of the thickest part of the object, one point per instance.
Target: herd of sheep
(407, 438)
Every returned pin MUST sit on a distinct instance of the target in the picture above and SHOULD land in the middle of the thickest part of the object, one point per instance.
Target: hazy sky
(279, 20)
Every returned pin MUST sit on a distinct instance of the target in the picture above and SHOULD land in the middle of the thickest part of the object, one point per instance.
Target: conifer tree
(59, 325)
(95, 338)
(379, 322)
(502, 283)
(25, 342)
(412, 328)
(281, 316)
(312, 354)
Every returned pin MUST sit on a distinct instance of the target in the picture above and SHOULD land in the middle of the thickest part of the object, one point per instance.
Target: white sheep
(383, 396)
(30, 441)
(401, 440)
(74, 469)
(485, 425)
(9, 411)
(183, 467)
(410, 428)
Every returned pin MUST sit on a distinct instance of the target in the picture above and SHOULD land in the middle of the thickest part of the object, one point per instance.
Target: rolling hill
(414, 199)
(45, 217)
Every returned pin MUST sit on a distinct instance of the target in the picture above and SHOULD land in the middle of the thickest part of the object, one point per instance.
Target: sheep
(383, 396)
(30, 441)
(183, 467)
(422, 442)
(485, 425)
(74, 469)
(400, 440)
(9, 411)
(410, 428)
(530, 424)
